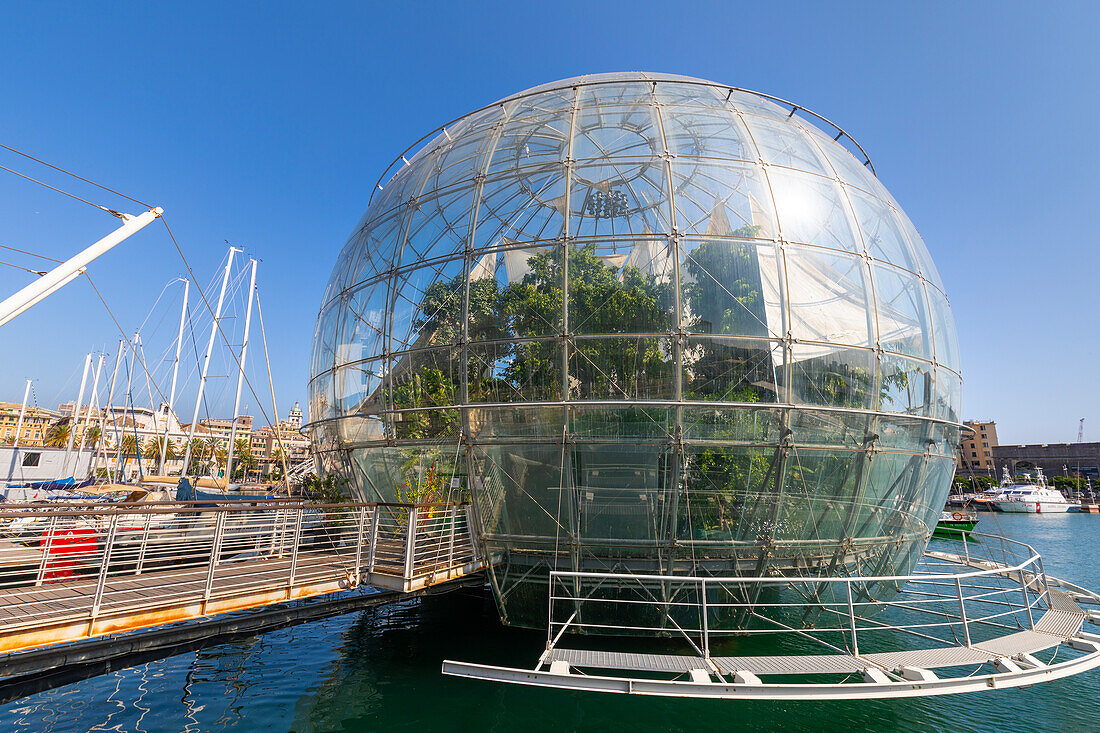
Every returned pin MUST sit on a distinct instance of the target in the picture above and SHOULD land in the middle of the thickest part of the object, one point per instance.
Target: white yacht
(1034, 498)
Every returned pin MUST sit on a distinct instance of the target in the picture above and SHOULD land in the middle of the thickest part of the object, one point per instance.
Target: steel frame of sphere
(649, 323)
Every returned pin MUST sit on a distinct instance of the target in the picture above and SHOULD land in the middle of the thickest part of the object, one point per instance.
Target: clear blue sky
(268, 124)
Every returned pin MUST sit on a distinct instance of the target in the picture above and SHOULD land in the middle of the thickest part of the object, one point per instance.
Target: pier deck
(84, 572)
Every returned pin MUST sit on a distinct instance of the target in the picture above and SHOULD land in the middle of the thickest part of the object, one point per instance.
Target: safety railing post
(706, 620)
(360, 532)
(470, 531)
(144, 545)
(1027, 598)
(410, 545)
(852, 618)
(372, 546)
(215, 552)
(966, 547)
(42, 564)
(962, 611)
(101, 583)
(1046, 588)
(299, 511)
(451, 541)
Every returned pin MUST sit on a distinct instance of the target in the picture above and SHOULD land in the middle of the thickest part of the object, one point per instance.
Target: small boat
(1034, 498)
(955, 523)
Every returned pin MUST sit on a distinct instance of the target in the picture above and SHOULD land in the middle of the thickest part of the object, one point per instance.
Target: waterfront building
(978, 439)
(1072, 460)
(36, 421)
(644, 322)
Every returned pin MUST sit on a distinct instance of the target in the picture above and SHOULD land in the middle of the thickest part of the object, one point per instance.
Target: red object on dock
(65, 549)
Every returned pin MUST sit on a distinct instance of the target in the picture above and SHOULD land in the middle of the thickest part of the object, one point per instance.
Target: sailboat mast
(76, 413)
(22, 411)
(88, 414)
(206, 361)
(108, 408)
(175, 374)
(240, 376)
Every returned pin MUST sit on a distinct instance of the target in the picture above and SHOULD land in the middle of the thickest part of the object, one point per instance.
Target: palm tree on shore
(57, 435)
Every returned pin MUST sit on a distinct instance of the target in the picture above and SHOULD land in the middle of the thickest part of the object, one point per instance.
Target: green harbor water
(379, 670)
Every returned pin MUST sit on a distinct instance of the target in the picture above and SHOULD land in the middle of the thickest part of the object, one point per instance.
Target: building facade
(36, 420)
(1074, 460)
(976, 447)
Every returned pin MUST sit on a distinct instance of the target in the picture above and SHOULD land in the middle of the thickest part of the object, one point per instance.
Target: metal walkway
(73, 573)
(979, 619)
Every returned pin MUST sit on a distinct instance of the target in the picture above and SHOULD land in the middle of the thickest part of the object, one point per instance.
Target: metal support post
(215, 551)
(470, 531)
(46, 551)
(144, 544)
(966, 547)
(373, 545)
(294, 548)
(451, 541)
(706, 621)
(852, 618)
(962, 611)
(108, 547)
(359, 532)
(1027, 599)
(410, 545)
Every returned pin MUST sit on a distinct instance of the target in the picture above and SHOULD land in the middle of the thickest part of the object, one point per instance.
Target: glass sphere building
(644, 323)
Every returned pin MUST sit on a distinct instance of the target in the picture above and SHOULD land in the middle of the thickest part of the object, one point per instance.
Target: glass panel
(943, 330)
(722, 200)
(532, 139)
(831, 376)
(927, 267)
(781, 143)
(698, 133)
(525, 207)
(676, 94)
(437, 226)
(828, 295)
(622, 286)
(612, 421)
(620, 197)
(427, 306)
(727, 493)
(731, 370)
(948, 395)
(516, 422)
(519, 490)
(321, 406)
(812, 210)
(882, 234)
(374, 251)
(906, 385)
(731, 287)
(847, 167)
(620, 368)
(904, 434)
(750, 103)
(618, 491)
(903, 324)
(608, 133)
(426, 379)
(462, 156)
(737, 424)
(630, 93)
(359, 388)
(826, 429)
(324, 340)
(362, 334)
(515, 372)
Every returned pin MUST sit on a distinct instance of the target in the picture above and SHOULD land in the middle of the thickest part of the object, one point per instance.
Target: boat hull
(1035, 507)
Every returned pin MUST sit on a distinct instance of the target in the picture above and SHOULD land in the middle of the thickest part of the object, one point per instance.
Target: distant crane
(1081, 430)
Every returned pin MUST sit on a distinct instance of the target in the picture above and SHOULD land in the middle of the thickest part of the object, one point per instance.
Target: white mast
(240, 376)
(69, 270)
(76, 413)
(206, 361)
(175, 373)
(108, 408)
(22, 410)
(88, 413)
